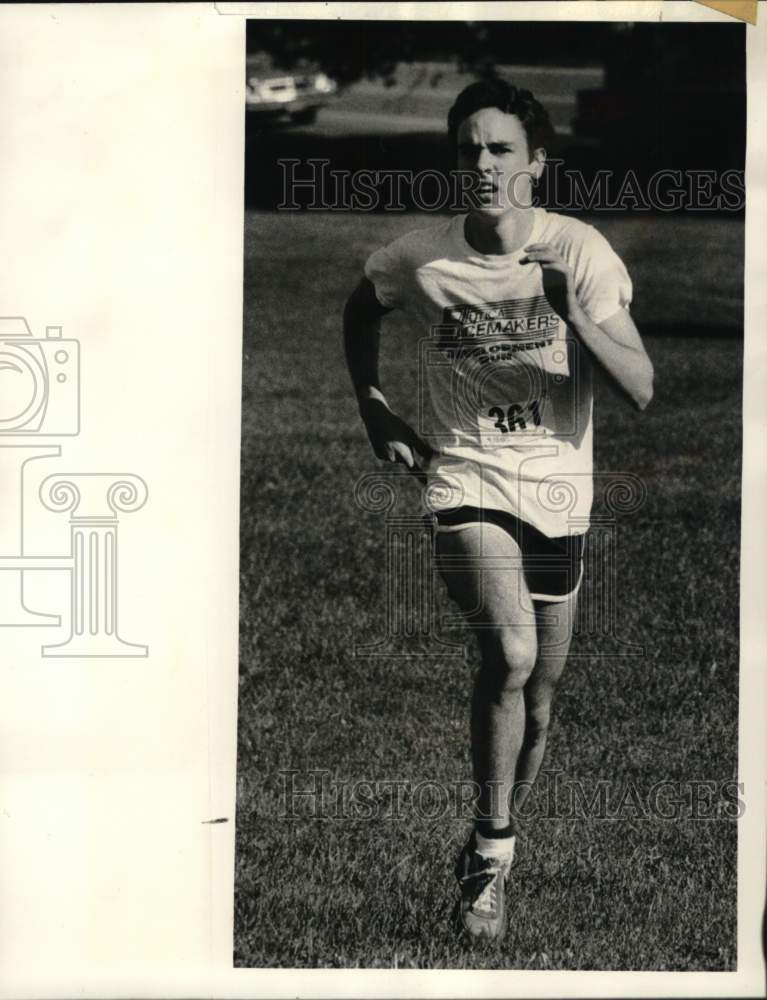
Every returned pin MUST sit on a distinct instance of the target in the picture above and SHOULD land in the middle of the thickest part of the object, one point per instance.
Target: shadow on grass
(265, 176)
(692, 330)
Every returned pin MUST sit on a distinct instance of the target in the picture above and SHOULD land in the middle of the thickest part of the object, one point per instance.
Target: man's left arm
(617, 346)
(614, 342)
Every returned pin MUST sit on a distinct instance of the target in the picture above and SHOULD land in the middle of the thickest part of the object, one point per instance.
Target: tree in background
(350, 50)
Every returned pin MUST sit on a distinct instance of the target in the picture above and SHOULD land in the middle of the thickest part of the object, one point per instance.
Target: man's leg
(555, 629)
(498, 608)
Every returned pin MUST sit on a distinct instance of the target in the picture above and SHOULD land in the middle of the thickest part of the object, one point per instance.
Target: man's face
(493, 145)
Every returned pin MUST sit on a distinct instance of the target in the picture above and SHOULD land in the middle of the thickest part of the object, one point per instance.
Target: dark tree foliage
(652, 57)
(350, 50)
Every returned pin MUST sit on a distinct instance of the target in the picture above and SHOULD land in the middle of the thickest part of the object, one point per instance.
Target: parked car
(295, 96)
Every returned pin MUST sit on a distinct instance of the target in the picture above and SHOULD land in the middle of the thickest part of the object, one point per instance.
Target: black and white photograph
(382, 455)
(490, 495)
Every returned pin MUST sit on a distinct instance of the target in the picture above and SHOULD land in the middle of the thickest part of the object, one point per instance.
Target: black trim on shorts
(552, 566)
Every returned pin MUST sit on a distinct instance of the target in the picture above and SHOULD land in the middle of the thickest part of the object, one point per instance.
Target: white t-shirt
(506, 386)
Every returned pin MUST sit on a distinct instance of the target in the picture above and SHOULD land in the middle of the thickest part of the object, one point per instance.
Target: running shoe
(482, 882)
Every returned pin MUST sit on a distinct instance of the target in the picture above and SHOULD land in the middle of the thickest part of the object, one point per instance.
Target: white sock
(501, 847)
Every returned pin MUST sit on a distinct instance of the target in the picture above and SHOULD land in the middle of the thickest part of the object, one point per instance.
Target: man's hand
(391, 438)
(558, 284)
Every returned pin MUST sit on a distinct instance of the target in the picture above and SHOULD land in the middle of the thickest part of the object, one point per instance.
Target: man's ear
(538, 162)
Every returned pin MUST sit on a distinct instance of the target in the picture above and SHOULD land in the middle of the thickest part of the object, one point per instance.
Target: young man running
(518, 305)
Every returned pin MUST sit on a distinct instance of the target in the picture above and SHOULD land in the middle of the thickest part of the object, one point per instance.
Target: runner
(519, 305)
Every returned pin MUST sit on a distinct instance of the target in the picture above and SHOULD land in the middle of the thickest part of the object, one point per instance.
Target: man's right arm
(362, 334)
(391, 438)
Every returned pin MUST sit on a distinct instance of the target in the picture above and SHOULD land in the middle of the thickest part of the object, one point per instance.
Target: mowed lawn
(632, 890)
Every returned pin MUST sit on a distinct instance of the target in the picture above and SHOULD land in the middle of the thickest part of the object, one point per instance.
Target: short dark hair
(498, 93)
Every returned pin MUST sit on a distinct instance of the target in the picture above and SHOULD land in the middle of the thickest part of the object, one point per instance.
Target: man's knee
(510, 653)
(537, 719)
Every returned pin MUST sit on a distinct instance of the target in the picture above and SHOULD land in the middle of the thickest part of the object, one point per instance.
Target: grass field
(633, 892)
